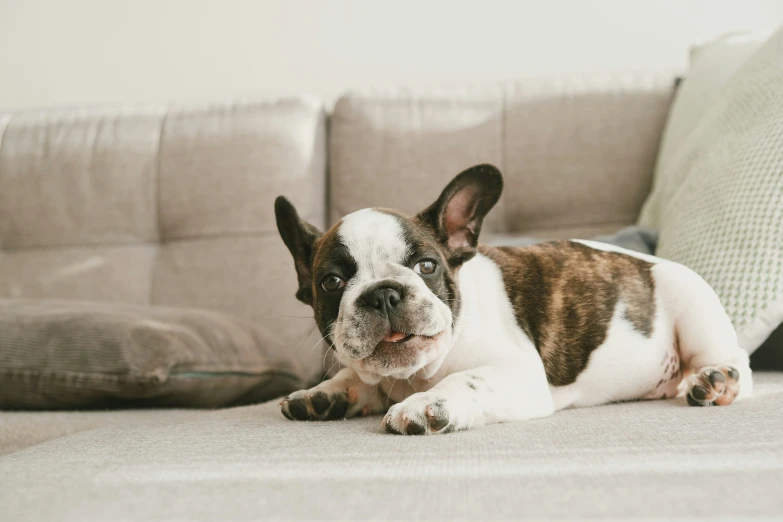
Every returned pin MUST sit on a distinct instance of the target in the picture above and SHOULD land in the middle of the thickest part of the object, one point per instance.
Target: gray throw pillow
(718, 198)
(635, 238)
(69, 354)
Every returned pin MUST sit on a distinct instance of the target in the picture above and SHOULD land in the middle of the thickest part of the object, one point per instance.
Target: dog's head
(383, 286)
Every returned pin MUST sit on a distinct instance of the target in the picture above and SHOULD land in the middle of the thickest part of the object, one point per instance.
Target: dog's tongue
(393, 337)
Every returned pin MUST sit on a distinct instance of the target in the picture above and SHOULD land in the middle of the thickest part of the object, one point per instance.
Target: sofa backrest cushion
(162, 205)
(577, 155)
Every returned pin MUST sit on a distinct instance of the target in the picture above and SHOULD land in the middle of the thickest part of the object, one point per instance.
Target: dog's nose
(384, 299)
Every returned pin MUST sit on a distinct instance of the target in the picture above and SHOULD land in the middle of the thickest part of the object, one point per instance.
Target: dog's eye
(425, 266)
(332, 283)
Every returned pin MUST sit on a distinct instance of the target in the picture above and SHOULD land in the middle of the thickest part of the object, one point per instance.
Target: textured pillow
(711, 65)
(63, 354)
(724, 215)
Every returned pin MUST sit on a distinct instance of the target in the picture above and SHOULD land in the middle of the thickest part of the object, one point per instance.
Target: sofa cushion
(163, 205)
(650, 461)
(60, 354)
(577, 154)
(724, 218)
(712, 64)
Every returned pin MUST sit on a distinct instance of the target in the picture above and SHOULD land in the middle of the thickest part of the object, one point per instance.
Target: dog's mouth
(397, 340)
(398, 337)
(400, 354)
(400, 349)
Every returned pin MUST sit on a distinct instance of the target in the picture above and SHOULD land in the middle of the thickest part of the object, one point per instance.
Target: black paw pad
(339, 407)
(414, 428)
(437, 416)
(320, 402)
(692, 401)
(439, 422)
(298, 409)
(716, 378)
(733, 374)
(699, 393)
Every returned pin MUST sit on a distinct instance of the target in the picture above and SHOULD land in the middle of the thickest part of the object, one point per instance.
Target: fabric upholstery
(77, 179)
(656, 460)
(193, 227)
(74, 354)
(711, 65)
(724, 217)
(120, 273)
(577, 155)
(163, 206)
(633, 238)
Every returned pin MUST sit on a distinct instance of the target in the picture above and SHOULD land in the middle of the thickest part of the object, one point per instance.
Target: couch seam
(503, 144)
(327, 214)
(158, 221)
(216, 235)
(5, 121)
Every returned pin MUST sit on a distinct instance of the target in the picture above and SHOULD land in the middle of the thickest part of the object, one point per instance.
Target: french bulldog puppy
(443, 334)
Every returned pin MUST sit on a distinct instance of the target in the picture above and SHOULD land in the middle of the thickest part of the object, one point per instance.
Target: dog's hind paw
(713, 386)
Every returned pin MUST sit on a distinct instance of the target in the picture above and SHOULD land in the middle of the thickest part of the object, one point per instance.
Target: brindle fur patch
(564, 295)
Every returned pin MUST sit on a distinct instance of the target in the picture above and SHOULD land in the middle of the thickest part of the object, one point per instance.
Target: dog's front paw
(315, 405)
(420, 414)
(713, 386)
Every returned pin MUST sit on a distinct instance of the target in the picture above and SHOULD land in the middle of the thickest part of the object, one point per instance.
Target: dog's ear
(458, 213)
(300, 237)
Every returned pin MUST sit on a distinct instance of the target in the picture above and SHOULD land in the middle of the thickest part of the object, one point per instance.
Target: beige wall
(56, 52)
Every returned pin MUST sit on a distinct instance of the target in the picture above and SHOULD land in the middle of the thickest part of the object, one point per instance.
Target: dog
(443, 334)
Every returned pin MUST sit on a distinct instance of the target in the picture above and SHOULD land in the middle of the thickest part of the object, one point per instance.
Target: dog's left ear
(457, 215)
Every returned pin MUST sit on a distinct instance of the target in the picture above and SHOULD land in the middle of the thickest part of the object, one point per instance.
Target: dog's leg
(483, 395)
(717, 370)
(341, 397)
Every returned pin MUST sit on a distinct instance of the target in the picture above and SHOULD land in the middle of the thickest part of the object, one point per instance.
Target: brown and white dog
(443, 334)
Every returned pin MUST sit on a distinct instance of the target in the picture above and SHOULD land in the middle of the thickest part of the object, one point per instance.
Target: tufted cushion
(165, 206)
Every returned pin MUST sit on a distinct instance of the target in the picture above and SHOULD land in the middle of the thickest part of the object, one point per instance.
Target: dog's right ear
(457, 215)
(300, 237)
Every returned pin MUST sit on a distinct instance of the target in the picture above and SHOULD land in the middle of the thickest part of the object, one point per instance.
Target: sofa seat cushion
(72, 354)
(655, 460)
